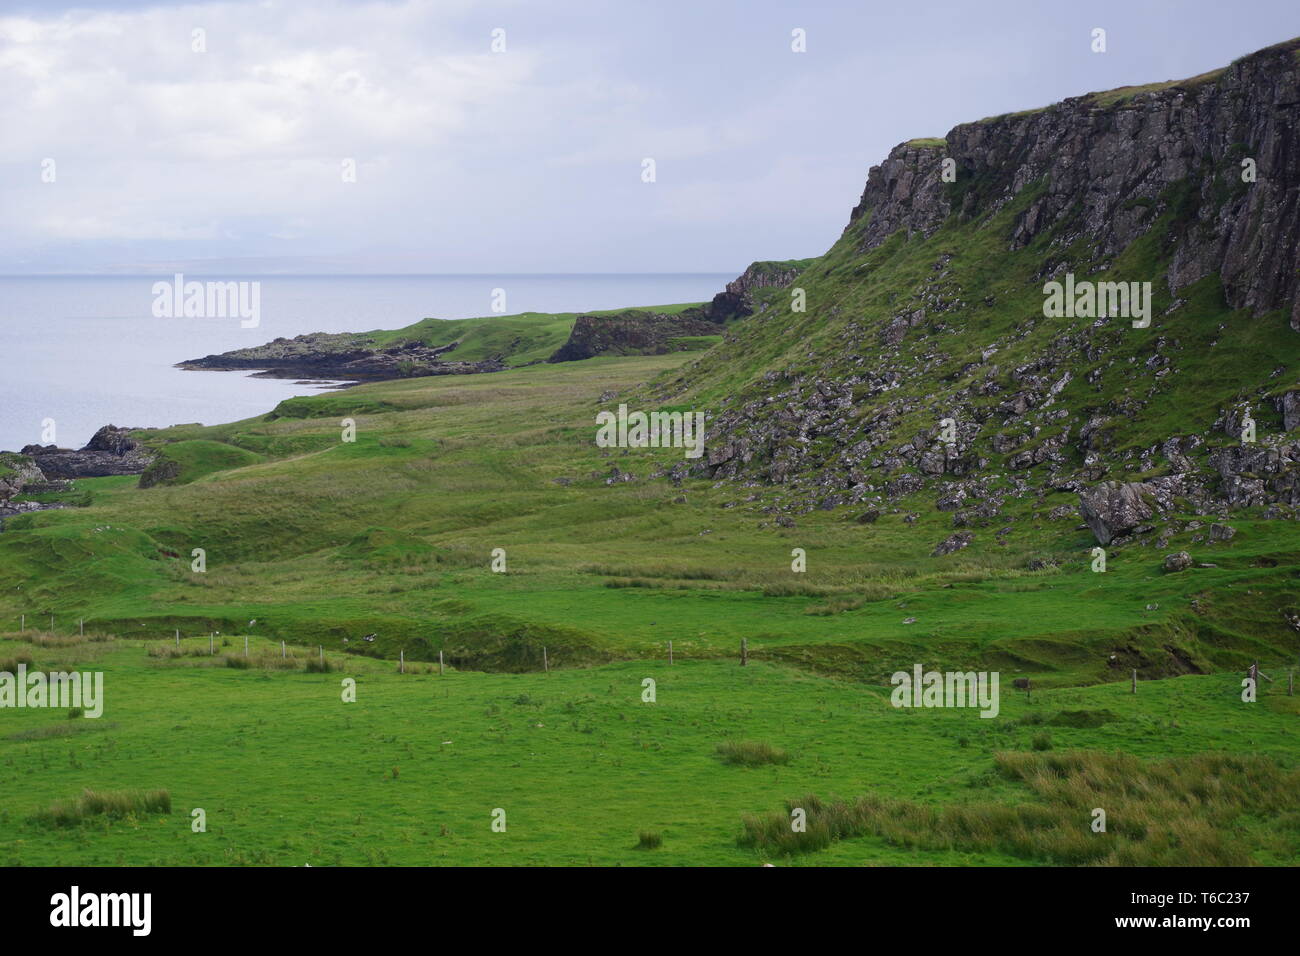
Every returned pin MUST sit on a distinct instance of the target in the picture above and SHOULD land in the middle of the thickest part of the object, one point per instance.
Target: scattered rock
(952, 543)
(1221, 532)
(1178, 561)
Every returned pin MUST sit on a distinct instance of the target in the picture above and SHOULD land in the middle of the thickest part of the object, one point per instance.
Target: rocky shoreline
(349, 356)
(36, 469)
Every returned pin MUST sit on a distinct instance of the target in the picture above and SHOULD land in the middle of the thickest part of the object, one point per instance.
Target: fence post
(546, 661)
(245, 645)
(51, 623)
(1135, 681)
(440, 663)
(1290, 683)
(401, 662)
(321, 648)
(212, 644)
(744, 651)
(670, 652)
(178, 637)
(283, 653)
(81, 627)
(22, 629)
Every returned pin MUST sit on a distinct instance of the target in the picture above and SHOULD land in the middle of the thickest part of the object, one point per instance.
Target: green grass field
(322, 541)
(409, 774)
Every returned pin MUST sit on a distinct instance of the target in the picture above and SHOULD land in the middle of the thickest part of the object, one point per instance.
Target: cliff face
(927, 371)
(111, 451)
(738, 298)
(635, 332)
(1113, 162)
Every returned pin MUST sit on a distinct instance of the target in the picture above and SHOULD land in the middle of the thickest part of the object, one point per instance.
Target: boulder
(1114, 507)
(1221, 532)
(1178, 561)
(952, 543)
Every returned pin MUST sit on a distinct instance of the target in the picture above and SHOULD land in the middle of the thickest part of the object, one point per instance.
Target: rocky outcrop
(112, 451)
(1112, 508)
(16, 473)
(737, 299)
(848, 405)
(1113, 163)
(345, 355)
(952, 544)
(634, 332)
(1258, 474)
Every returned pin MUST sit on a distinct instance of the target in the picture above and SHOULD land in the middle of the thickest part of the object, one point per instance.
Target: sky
(129, 143)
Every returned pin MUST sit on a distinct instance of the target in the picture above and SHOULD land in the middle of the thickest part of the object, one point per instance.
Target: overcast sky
(527, 160)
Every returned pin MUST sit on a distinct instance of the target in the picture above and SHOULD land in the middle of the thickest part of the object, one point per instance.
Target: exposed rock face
(1258, 474)
(737, 300)
(635, 332)
(345, 355)
(1113, 164)
(1289, 405)
(112, 451)
(1112, 508)
(16, 473)
(1222, 532)
(847, 419)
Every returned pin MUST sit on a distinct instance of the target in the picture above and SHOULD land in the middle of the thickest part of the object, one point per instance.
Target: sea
(80, 352)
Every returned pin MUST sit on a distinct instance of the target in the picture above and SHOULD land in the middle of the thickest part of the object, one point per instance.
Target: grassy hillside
(980, 296)
(322, 540)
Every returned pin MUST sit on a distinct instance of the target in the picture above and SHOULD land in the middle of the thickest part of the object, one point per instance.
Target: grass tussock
(1185, 811)
(50, 639)
(265, 662)
(60, 730)
(751, 753)
(9, 665)
(112, 804)
(649, 840)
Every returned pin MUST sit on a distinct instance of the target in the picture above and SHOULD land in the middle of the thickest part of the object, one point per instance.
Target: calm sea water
(87, 351)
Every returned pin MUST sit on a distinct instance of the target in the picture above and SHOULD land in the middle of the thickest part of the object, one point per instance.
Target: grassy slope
(598, 570)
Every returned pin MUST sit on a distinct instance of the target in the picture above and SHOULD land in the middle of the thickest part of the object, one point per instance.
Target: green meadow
(411, 772)
(322, 542)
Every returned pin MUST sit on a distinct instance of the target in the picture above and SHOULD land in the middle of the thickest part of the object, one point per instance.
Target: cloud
(151, 139)
(528, 160)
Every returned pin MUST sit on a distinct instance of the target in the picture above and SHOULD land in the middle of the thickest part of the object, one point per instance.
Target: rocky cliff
(1224, 146)
(634, 332)
(927, 372)
(739, 298)
(111, 451)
